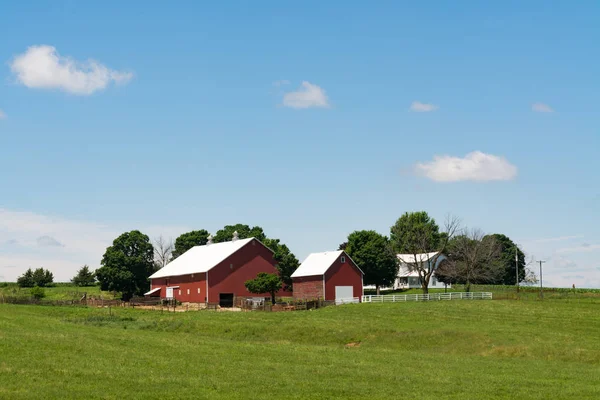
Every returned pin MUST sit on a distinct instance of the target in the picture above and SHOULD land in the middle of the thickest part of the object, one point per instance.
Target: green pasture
(423, 350)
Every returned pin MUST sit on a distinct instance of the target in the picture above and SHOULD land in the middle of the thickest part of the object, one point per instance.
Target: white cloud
(541, 107)
(307, 96)
(417, 106)
(2, 115)
(41, 67)
(475, 166)
(28, 240)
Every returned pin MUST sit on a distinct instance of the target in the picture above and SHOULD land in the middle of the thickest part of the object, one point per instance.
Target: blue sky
(311, 120)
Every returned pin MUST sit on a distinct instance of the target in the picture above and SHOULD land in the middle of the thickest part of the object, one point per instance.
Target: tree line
(470, 257)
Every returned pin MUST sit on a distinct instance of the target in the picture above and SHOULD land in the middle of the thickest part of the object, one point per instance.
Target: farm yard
(432, 350)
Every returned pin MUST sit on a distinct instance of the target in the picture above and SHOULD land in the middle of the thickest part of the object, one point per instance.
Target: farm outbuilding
(214, 273)
(332, 276)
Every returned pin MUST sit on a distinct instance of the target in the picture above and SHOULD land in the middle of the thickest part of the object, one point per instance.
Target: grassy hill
(450, 350)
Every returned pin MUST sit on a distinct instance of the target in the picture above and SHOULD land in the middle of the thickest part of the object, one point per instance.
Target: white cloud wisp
(417, 106)
(307, 96)
(475, 166)
(541, 107)
(41, 67)
(2, 115)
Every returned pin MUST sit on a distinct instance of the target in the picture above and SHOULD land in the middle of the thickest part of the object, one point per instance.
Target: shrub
(37, 293)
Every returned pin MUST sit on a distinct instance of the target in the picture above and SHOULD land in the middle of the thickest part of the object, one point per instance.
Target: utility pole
(517, 265)
(541, 287)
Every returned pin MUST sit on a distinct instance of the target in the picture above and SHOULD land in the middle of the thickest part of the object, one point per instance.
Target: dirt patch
(352, 344)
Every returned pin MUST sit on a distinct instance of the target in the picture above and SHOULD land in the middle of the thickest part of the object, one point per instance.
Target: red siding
(343, 274)
(185, 283)
(247, 263)
(308, 287)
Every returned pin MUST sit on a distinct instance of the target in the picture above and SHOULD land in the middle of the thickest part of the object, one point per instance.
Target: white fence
(427, 297)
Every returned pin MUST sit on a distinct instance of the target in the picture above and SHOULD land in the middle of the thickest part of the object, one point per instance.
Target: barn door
(344, 292)
(169, 293)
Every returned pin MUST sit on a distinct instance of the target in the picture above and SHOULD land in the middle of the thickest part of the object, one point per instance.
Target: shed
(215, 272)
(331, 275)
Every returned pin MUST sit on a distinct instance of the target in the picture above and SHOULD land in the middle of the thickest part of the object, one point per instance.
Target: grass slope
(450, 350)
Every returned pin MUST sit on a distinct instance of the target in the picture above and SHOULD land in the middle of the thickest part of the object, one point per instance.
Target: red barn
(214, 273)
(331, 276)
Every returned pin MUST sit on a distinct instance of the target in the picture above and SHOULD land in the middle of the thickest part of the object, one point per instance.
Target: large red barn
(331, 275)
(214, 273)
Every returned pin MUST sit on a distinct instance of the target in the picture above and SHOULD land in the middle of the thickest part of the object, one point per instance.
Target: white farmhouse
(408, 277)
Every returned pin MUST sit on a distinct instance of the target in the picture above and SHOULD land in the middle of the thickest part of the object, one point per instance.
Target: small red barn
(214, 273)
(331, 275)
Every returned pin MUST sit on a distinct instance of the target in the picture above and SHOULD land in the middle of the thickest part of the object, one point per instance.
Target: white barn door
(344, 293)
(169, 293)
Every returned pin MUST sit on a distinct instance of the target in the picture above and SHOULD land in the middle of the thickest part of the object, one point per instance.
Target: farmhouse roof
(410, 258)
(319, 263)
(201, 259)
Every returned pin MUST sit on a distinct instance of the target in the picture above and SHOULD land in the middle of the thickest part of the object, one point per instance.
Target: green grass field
(435, 350)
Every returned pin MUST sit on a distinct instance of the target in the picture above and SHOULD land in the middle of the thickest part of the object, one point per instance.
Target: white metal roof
(410, 258)
(318, 263)
(200, 259)
(152, 291)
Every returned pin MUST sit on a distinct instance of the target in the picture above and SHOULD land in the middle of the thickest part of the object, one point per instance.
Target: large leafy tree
(264, 283)
(371, 251)
(244, 232)
(188, 240)
(84, 277)
(287, 262)
(416, 233)
(127, 264)
(508, 249)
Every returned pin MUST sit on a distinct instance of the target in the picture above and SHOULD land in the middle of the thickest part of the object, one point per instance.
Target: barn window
(230, 266)
(188, 292)
(198, 290)
(180, 292)
(343, 259)
(192, 275)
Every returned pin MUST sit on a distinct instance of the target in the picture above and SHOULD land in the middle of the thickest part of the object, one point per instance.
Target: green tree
(244, 232)
(372, 253)
(508, 249)
(42, 277)
(26, 280)
(188, 240)
(264, 283)
(416, 233)
(84, 277)
(287, 262)
(127, 264)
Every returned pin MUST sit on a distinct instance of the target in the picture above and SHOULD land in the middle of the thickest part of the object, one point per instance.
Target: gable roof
(410, 258)
(201, 259)
(319, 263)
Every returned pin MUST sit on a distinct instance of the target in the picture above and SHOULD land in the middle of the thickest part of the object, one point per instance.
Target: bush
(37, 293)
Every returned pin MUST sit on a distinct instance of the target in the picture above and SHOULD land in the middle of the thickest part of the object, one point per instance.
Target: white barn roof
(200, 259)
(318, 264)
(410, 258)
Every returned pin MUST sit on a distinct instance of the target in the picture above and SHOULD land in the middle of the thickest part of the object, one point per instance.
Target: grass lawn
(450, 350)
